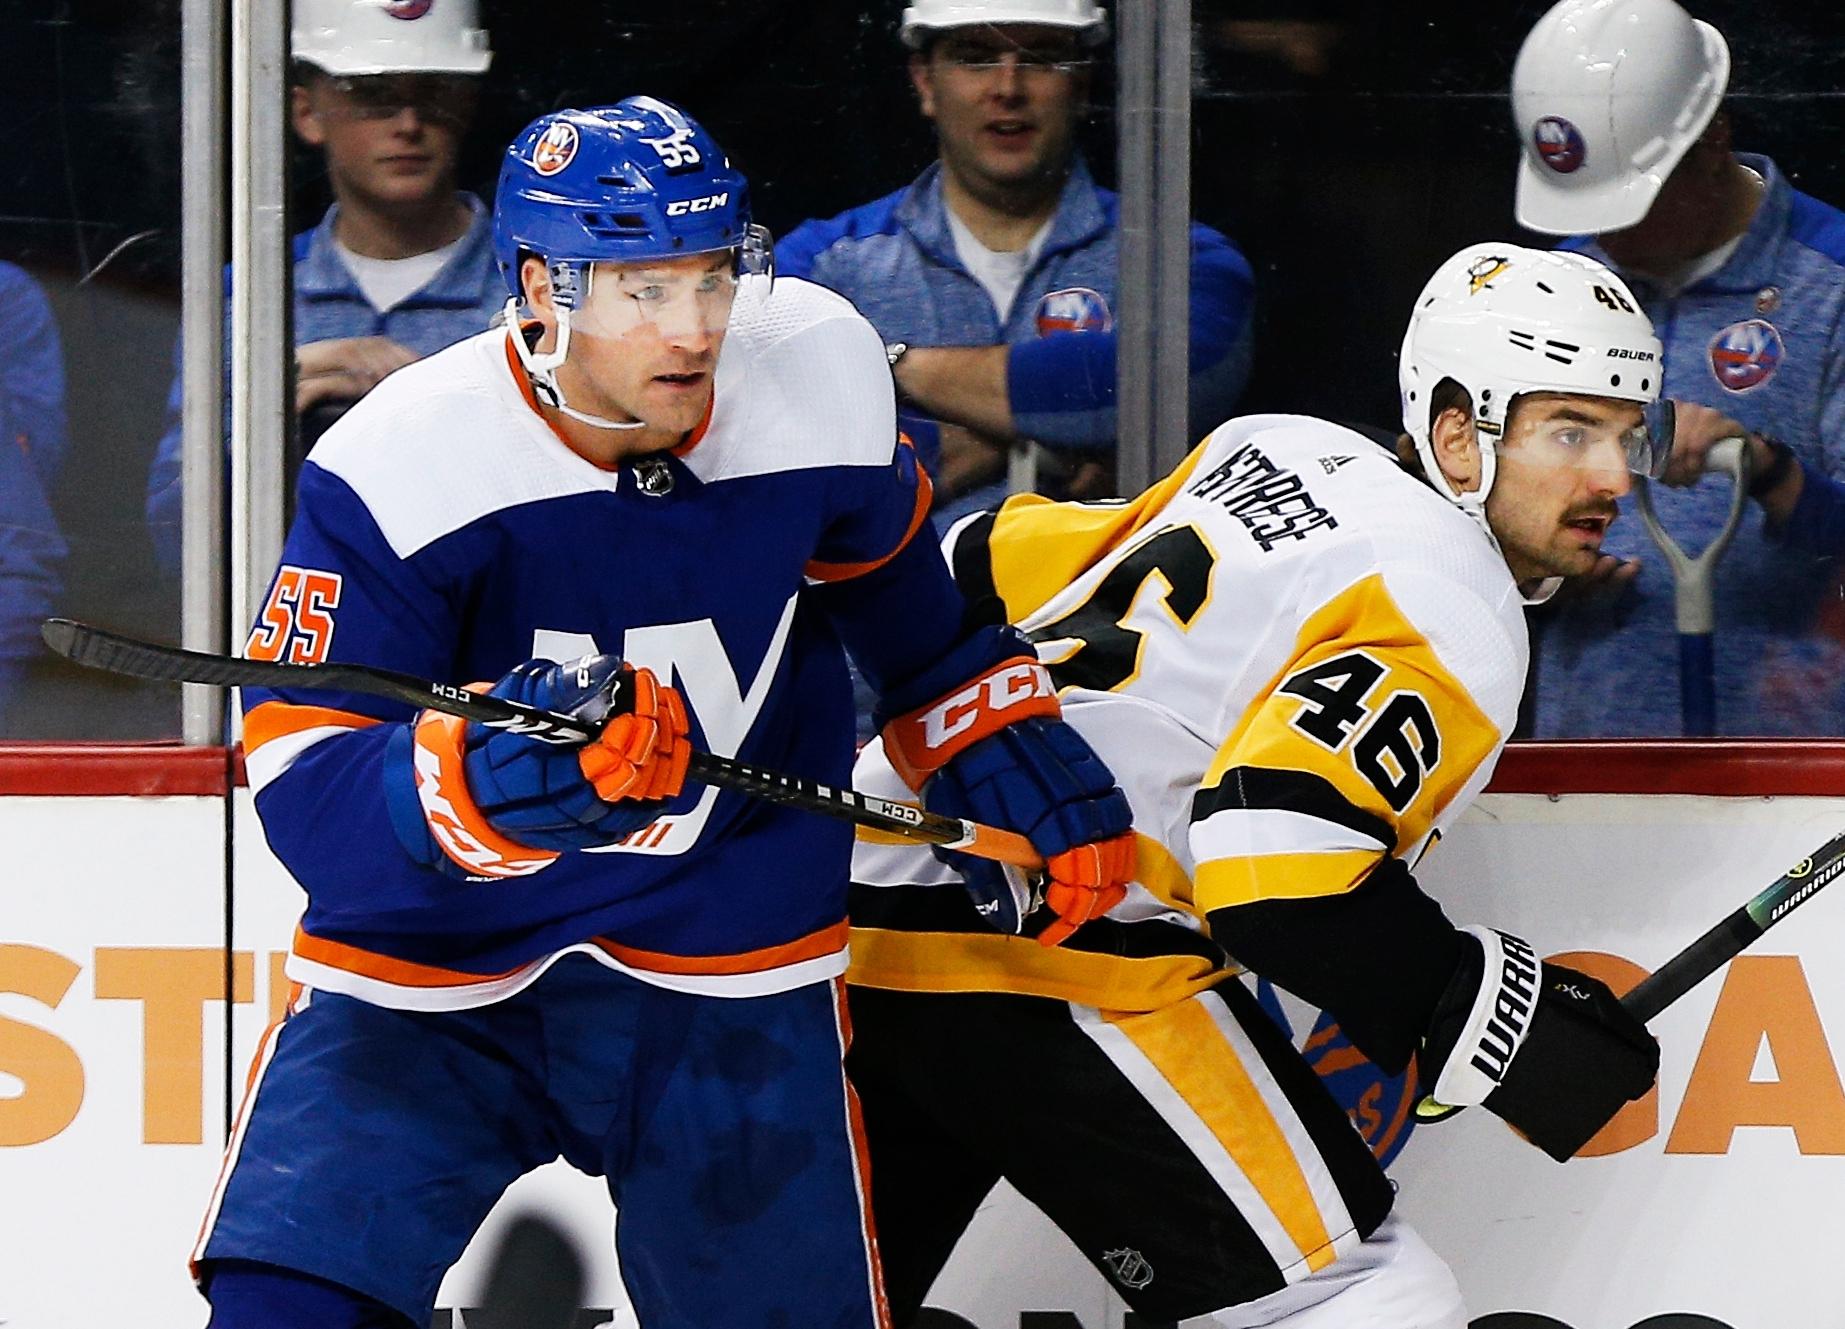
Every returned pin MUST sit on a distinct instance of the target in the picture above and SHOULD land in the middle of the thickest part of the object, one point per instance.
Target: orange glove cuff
(455, 823)
(924, 740)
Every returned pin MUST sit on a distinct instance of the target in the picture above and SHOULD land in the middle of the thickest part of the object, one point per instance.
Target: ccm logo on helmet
(705, 204)
(999, 691)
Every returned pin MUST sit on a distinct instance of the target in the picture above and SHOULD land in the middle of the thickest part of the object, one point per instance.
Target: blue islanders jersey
(444, 529)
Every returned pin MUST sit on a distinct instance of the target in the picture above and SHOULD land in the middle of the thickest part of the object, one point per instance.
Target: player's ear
(535, 281)
(1457, 448)
(922, 78)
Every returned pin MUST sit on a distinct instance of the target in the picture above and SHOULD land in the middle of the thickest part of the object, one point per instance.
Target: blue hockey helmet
(627, 183)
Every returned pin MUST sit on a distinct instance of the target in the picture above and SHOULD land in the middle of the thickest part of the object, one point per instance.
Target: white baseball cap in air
(356, 38)
(1607, 96)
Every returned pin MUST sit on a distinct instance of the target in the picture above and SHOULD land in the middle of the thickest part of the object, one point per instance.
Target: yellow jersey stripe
(1232, 881)
(1217, 1086)
(995, 962)
(1037, 547)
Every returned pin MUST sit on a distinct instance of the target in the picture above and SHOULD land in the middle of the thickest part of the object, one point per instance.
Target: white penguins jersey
(1296, 658)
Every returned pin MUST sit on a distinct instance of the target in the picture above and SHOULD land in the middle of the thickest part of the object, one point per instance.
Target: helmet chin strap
(542, 369)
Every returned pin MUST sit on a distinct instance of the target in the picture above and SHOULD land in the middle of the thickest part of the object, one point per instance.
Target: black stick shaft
(118, 654)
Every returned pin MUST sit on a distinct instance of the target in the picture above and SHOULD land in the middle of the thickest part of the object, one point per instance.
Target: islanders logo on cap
(554, 150)
(1073, 309)
(1559, 144)
(408, 8)
(1745, 355)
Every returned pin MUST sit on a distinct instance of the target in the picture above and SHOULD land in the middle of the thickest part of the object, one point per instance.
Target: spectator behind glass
(31, 448)
(1627, 150)
(402, 264)
(996, 268)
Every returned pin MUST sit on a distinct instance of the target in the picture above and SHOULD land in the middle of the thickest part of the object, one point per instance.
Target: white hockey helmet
(1607, 96)
(926, 16)
(1501, 320)
(355, 38)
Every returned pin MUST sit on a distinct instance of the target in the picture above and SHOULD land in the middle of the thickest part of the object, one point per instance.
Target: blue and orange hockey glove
(502, 804)
(997, 750)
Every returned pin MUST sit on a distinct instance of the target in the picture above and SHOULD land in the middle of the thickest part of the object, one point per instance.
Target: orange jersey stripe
(822, 571)
(411, 974)
(278, 719)
(385, 968)
(814, 946)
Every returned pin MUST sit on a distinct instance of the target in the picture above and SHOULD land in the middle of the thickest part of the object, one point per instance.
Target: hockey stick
(1730, 936)
(1724, 942)
(884, 818)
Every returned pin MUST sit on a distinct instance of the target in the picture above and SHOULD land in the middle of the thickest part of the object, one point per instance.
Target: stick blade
(98, 649)
(62, 636)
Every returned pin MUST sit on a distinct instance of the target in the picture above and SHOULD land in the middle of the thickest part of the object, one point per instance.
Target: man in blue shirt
(402, 264)
(32, 430)
(1627, 150)
(994, 274)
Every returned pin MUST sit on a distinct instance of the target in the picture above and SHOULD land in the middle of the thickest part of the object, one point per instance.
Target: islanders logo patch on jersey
(553, 152)
(408, 8)
(1745, 355)
(1559, 144)
(1073, 309)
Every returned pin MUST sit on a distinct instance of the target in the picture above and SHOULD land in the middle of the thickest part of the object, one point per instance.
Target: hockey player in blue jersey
(514, 951)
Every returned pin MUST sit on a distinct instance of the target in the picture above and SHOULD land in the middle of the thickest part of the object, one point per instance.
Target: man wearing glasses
(978, 273)
(402, 264)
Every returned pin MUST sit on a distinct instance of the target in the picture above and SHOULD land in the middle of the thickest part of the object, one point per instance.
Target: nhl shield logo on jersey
(408, 8)
(1129, 1267)
(1073, 309)
(1745, 355)
(553, 152)
(1559, 144)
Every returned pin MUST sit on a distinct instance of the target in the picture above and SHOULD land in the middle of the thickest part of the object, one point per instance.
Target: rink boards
(1709, 1205)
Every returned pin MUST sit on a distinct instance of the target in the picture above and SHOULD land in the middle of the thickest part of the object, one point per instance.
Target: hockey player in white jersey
(1301, 655)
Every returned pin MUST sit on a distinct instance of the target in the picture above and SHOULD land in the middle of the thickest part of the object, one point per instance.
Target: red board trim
(100, 770)
(1726, 769)
(1736, 768)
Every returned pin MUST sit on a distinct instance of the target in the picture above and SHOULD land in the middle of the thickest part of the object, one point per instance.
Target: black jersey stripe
(1261, 787)
(973, 559)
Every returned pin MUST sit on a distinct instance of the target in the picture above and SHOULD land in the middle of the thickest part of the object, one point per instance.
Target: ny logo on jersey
(692, 657)
(296, 624)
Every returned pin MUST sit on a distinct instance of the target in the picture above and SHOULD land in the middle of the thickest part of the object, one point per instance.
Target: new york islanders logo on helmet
(1073, 309)
(1559, 144)
(1745, 355)
(555, 149)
